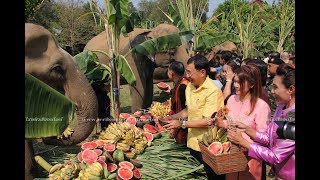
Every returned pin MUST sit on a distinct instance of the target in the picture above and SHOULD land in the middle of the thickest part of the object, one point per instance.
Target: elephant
(226, 46)
(145, 68)
(48, 62)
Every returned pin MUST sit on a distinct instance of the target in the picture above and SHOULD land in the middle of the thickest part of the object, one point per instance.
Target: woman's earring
(290, 97)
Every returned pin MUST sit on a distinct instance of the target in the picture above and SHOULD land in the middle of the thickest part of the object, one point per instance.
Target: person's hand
(235, 137)
(168, 90)
(240, 125)
(174, 124)
(229, 73)
(219, 122)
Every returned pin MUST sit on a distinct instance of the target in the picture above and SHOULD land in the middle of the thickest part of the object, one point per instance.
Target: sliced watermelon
(215, 148)
(79, 156)
(149, 128)
(109, 147)
(102, 158)
(148, 135)
(132, 120)
(112, 167)
(89, 156)
(89, 145)
(136, 173)
(99, 143)
(125, 174)
(124, 115)
(126, 164)
(98, 151)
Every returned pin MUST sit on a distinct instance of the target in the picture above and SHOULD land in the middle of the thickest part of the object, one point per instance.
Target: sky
(213, 4)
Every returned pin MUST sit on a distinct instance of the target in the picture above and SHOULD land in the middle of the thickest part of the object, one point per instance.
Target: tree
(31, 7)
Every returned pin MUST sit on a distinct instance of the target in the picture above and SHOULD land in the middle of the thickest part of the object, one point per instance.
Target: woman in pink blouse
(280, 153)
(246, 107)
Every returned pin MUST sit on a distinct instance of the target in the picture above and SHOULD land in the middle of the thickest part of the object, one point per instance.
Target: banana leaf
(125, 70)
(159, 44)
(47, 112)
(90, 66)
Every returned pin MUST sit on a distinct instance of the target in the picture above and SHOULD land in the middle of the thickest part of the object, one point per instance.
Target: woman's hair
(177, 67)
(287, 73)
(263, 67)
(234, 63)
(251, 74)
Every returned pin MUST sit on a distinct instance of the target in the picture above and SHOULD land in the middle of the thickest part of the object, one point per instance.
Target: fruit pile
(216, 140)
(160, 110)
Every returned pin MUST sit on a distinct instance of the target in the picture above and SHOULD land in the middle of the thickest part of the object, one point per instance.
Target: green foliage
(31, 7)
(47, 112)
(96, 72)
(125, 70)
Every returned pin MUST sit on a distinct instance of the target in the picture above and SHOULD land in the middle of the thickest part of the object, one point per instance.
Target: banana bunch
(92, 172)
(64, 172)
(66, 133)
(129, 137)
(140, 144)
(122, 146)
(159, 110)
(113, 132)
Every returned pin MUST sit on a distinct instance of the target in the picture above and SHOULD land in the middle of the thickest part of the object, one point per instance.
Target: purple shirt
(278, 152)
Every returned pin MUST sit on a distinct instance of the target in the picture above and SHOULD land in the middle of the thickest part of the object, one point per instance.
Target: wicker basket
(235, 161)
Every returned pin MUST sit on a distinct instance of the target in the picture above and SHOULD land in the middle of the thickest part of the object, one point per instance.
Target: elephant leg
(28, 163)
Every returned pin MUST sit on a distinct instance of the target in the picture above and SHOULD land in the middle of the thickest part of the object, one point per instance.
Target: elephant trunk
(78, 89)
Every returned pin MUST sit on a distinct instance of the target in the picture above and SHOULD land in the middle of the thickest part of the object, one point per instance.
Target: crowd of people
(258, 92)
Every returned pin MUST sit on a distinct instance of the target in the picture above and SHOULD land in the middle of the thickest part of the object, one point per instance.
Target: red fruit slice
(149, 128)
(126, 164)
(102, 158)
(125, 173)
(145, 117)
(112, 167)
(89, 156)
(98, 151)
(103, 164)
(136, 173)
(216, 148)
(99, 143)
(89, 145)
(160, 128)
(163, 85)
(79, 156)
(226, 146)
(137, 113)
(124, 115)
(109, 147)
(148, 135)
(163, 121)
(131, 120)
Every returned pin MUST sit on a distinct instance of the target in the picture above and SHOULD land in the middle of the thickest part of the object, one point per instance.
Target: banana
(92, 177)
(54, 177)
(98, 165)
(214, 132)
(55, 168)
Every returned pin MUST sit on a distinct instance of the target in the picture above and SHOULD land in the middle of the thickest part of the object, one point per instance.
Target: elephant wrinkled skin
(48, 62)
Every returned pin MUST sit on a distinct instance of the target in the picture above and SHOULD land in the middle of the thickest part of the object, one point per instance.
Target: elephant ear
(47, 112)
(162, 43)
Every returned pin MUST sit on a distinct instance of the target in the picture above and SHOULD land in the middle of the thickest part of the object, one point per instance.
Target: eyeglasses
(189, 74)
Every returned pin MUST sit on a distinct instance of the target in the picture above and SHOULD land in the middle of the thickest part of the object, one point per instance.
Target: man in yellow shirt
(203, 98)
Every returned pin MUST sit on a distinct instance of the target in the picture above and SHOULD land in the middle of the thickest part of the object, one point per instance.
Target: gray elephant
(48, 62)
(144, 69)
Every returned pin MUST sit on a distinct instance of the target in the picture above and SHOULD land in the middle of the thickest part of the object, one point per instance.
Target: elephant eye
(57, 69)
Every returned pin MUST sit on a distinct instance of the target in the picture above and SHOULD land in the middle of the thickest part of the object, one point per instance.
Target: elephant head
(226, 46)
(144, 67)
(48, 62)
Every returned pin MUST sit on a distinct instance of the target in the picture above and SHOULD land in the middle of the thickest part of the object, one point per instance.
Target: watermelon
(108, 155)
(124, 115)
(102, 158)
(99, 143)
(103, 164)
(109, 147)
(137, 113)
(163, 121)
(149, 128)
(145, 117)
(89, 156)
(131, 120)
(226, 146)
(163, 86)
(112, 167)
(89, 145)
(126, 164)
(79, 156)
(148, 135)
(215, 148)
(125, 173)
(136, 173)
(160, 127)
(118, 155)
(98, 151)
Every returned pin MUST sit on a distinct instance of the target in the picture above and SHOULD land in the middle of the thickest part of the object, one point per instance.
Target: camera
(286, 129)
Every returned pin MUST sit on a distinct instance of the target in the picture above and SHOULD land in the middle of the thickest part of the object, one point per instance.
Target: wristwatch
(183, 126)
